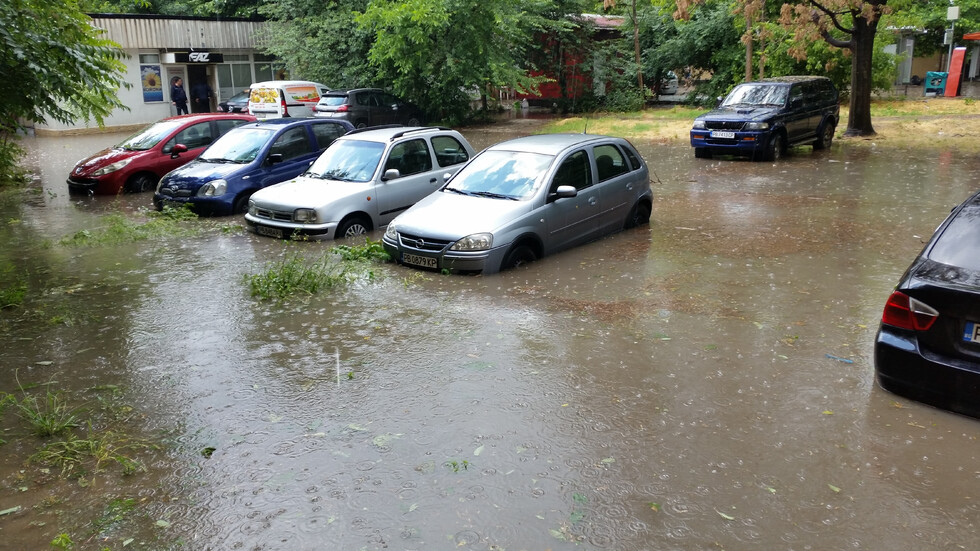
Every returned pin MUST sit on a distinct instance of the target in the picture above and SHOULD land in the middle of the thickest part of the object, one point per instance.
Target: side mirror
(718, 101)
(447, 176)
(797, 102)
(177, 150)
(275, 158)
(391, 174)
(562, 192)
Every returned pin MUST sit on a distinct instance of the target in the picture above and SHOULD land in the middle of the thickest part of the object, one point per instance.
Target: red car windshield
(149, 136)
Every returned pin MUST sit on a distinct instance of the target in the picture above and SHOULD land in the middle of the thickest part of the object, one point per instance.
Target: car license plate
(416, 260)
(271, 232)
(723, 134)
(972, 332)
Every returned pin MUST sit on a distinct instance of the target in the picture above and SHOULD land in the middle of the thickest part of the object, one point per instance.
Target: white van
(275, 99)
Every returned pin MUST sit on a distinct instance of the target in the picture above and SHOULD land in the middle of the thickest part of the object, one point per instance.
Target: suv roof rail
(408, 129)
(370, 128)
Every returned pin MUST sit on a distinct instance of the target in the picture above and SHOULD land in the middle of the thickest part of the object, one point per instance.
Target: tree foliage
(53, 65)
(321, 41)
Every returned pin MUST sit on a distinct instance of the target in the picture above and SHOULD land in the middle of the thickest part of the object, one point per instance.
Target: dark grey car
(364, 107)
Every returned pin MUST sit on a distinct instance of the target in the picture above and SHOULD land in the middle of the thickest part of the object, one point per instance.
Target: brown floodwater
(705, 382)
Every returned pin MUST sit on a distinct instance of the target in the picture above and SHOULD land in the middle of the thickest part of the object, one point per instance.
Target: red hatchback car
(138, 163)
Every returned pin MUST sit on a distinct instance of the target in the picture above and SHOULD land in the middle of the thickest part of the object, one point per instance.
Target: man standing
(177, 95)
(201, 96)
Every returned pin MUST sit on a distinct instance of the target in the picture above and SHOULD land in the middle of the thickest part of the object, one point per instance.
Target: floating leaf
(655, 507)
(608, 460)
(835, 489)
(6, 512)
(724, 516)
(557, 534)
(828, 412)
(757, 324)
(478, 451)
(771, 489)
(163, 524)
(44, 363)
(579, 497)
(127, 541)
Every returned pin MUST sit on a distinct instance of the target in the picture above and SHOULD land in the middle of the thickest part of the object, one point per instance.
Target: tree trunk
(859, 117)
(636, 52)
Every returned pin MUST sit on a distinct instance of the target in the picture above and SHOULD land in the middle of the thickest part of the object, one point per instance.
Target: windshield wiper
(456, 190)
(218, 160)
(492, 195)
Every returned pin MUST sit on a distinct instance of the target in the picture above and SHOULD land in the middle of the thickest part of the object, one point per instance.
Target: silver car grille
(270, 214)
(423, 243)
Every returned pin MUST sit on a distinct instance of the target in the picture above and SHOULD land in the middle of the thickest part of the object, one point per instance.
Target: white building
(220, 53)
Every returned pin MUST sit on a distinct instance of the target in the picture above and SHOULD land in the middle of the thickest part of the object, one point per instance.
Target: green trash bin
(935, 84)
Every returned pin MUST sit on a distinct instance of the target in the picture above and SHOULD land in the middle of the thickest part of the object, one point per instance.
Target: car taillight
(343, 108)
(905, 312)
(285, 110)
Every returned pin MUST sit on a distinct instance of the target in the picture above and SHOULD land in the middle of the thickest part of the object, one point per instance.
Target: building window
(233, 78)
(268, 67)
(149, 58)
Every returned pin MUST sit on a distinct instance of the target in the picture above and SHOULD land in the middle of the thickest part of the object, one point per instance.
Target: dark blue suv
(761, 119)
(245, 160)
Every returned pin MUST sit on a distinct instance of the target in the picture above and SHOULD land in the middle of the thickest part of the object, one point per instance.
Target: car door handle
(592, 201)
(629, 186)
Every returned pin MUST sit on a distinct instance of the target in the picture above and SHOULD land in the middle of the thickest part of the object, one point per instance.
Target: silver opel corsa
(522, 199)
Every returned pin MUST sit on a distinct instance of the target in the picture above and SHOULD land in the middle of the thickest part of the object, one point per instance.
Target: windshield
(757, 94)
(505, 174)
(348, 161)
(150, 136)
(240, 145)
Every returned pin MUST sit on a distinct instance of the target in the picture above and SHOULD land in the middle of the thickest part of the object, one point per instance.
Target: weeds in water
(116, 229)
(48, 416)
(13, 287)
(63, 541)
(296, 274)
(457, 465)
(71, 454)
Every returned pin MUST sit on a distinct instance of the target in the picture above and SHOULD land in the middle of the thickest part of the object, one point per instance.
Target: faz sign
(198, 57)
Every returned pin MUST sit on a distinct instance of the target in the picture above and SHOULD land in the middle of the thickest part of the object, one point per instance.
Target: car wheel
(139, 183)
(360, 124)
(826, 137)
(702, 153)
(240, 206)
(775, 149)
(639, 216)
(352, 227)
(519, 256)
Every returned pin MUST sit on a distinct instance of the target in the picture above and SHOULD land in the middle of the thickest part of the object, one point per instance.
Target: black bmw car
(928, 343)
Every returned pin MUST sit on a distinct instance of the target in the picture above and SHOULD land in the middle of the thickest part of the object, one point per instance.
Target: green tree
(53, 65)
(321, 41)
(437, 52)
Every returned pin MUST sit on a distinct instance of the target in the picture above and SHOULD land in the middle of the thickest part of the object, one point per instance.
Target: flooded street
(705, 382)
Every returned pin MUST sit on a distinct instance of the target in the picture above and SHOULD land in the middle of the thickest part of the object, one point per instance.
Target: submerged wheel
(352, 227)
(826, 136)
(775, 148)
(639, 216)
(240, 206)
(519, 256)
(139, 183)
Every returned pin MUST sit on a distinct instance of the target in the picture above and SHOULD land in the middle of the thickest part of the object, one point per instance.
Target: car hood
(102, 158)
(308, 192)
(746, 113)
(446, 215)
(197, 173)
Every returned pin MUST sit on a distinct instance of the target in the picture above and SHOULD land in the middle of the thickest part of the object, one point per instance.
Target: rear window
(959, 244)
(332, 101)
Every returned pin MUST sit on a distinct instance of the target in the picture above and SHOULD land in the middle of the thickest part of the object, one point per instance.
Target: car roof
(789, 79)
(201, 117)
(275, 83)
(391, 132)
(549, 144)
(291, 121)
(344, 92)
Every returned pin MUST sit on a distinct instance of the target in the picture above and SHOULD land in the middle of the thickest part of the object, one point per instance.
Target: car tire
(775, 148)
(702, 153)
(240, 206)
(139, 183)
(361, 124)
(519, 256)
(825, 137)
(352, 227)
(639, 215)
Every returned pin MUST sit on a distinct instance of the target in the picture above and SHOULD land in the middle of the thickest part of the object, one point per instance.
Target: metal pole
(949, 56)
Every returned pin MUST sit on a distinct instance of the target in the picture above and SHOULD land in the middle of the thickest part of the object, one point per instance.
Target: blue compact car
(245, 160)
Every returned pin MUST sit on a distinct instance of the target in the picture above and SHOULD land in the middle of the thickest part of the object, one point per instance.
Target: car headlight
(304, 215)
(699, 125)
(757, 126)
(112, 167)
(391, 232)
(251, 207)
(475, 242)
(214, 188)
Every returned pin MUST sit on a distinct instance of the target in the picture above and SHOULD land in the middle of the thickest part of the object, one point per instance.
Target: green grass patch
(298, 275)
(116, 228)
